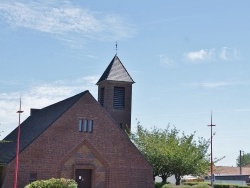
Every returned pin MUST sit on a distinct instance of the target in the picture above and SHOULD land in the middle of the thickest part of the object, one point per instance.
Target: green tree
(245, 160)
(152, 145)
(171, 154)
(189, 157)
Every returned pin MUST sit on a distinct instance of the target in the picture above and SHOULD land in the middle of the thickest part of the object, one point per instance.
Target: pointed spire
(116, 72)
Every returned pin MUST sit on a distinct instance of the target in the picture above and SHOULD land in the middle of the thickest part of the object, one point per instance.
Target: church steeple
(115, 92)
(116, 72)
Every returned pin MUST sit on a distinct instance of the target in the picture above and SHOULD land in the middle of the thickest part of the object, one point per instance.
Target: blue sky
(188, 58)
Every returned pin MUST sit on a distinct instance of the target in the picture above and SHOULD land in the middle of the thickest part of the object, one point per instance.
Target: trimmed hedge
(160, 184)
(53, 183)
(201, 185)
(229, 186)
(196, 183)
(207, 184)
(175, 186)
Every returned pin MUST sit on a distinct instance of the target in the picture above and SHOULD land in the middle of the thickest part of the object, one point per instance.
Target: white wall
(234, 182)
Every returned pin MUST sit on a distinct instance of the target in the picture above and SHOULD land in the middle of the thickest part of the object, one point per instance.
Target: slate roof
(34, 126)
(116, 72)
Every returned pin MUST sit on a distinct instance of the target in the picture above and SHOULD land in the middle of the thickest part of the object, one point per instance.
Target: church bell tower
(115, 93)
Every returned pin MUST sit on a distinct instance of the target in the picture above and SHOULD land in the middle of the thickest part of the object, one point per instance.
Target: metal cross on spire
(116, 48)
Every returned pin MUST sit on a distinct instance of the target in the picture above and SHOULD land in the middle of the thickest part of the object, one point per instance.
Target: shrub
(160, 184)
(175, 186)
(53, 183)
(188, 185)
(229, 186)
(198, 184)
(202, 185)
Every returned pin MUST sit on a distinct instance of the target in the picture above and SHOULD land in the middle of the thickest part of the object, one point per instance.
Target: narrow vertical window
(85, 125)
(102, 96)
(80, 125)
(90, 126)
(121, 125)
(119, 98)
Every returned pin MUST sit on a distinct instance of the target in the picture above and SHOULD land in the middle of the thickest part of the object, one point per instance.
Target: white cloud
(200, 55)
(228, 54)
(211, 85)
(242, 110)
(215, 84)
(224, 54)
(39, 95)
(166, 60)
(64, 21)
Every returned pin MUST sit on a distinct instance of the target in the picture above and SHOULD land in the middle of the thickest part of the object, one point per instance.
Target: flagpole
(17, 146)
(211, 162)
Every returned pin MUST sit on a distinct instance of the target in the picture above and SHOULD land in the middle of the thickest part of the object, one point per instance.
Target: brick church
(80, 138)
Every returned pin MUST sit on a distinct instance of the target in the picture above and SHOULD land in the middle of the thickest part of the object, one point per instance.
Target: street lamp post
(211, 165)
(17, 146)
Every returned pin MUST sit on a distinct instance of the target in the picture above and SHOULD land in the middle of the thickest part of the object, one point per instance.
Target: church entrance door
(83, 178)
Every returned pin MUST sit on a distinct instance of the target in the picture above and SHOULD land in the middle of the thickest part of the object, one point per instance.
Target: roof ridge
(76, 95)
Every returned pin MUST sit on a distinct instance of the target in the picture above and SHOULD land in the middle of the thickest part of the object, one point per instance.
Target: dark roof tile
(34, 126)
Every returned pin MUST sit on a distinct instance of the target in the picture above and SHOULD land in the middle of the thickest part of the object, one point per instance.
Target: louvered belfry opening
(102, 96)
(119, 98)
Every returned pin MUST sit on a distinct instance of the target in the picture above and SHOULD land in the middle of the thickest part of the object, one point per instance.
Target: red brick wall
(62, 148)
(120, 116)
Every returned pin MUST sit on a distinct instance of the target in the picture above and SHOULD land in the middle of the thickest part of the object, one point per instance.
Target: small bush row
(216, 185)
(198, 185)
(229, 186)
(53, 183)
(159, 185)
